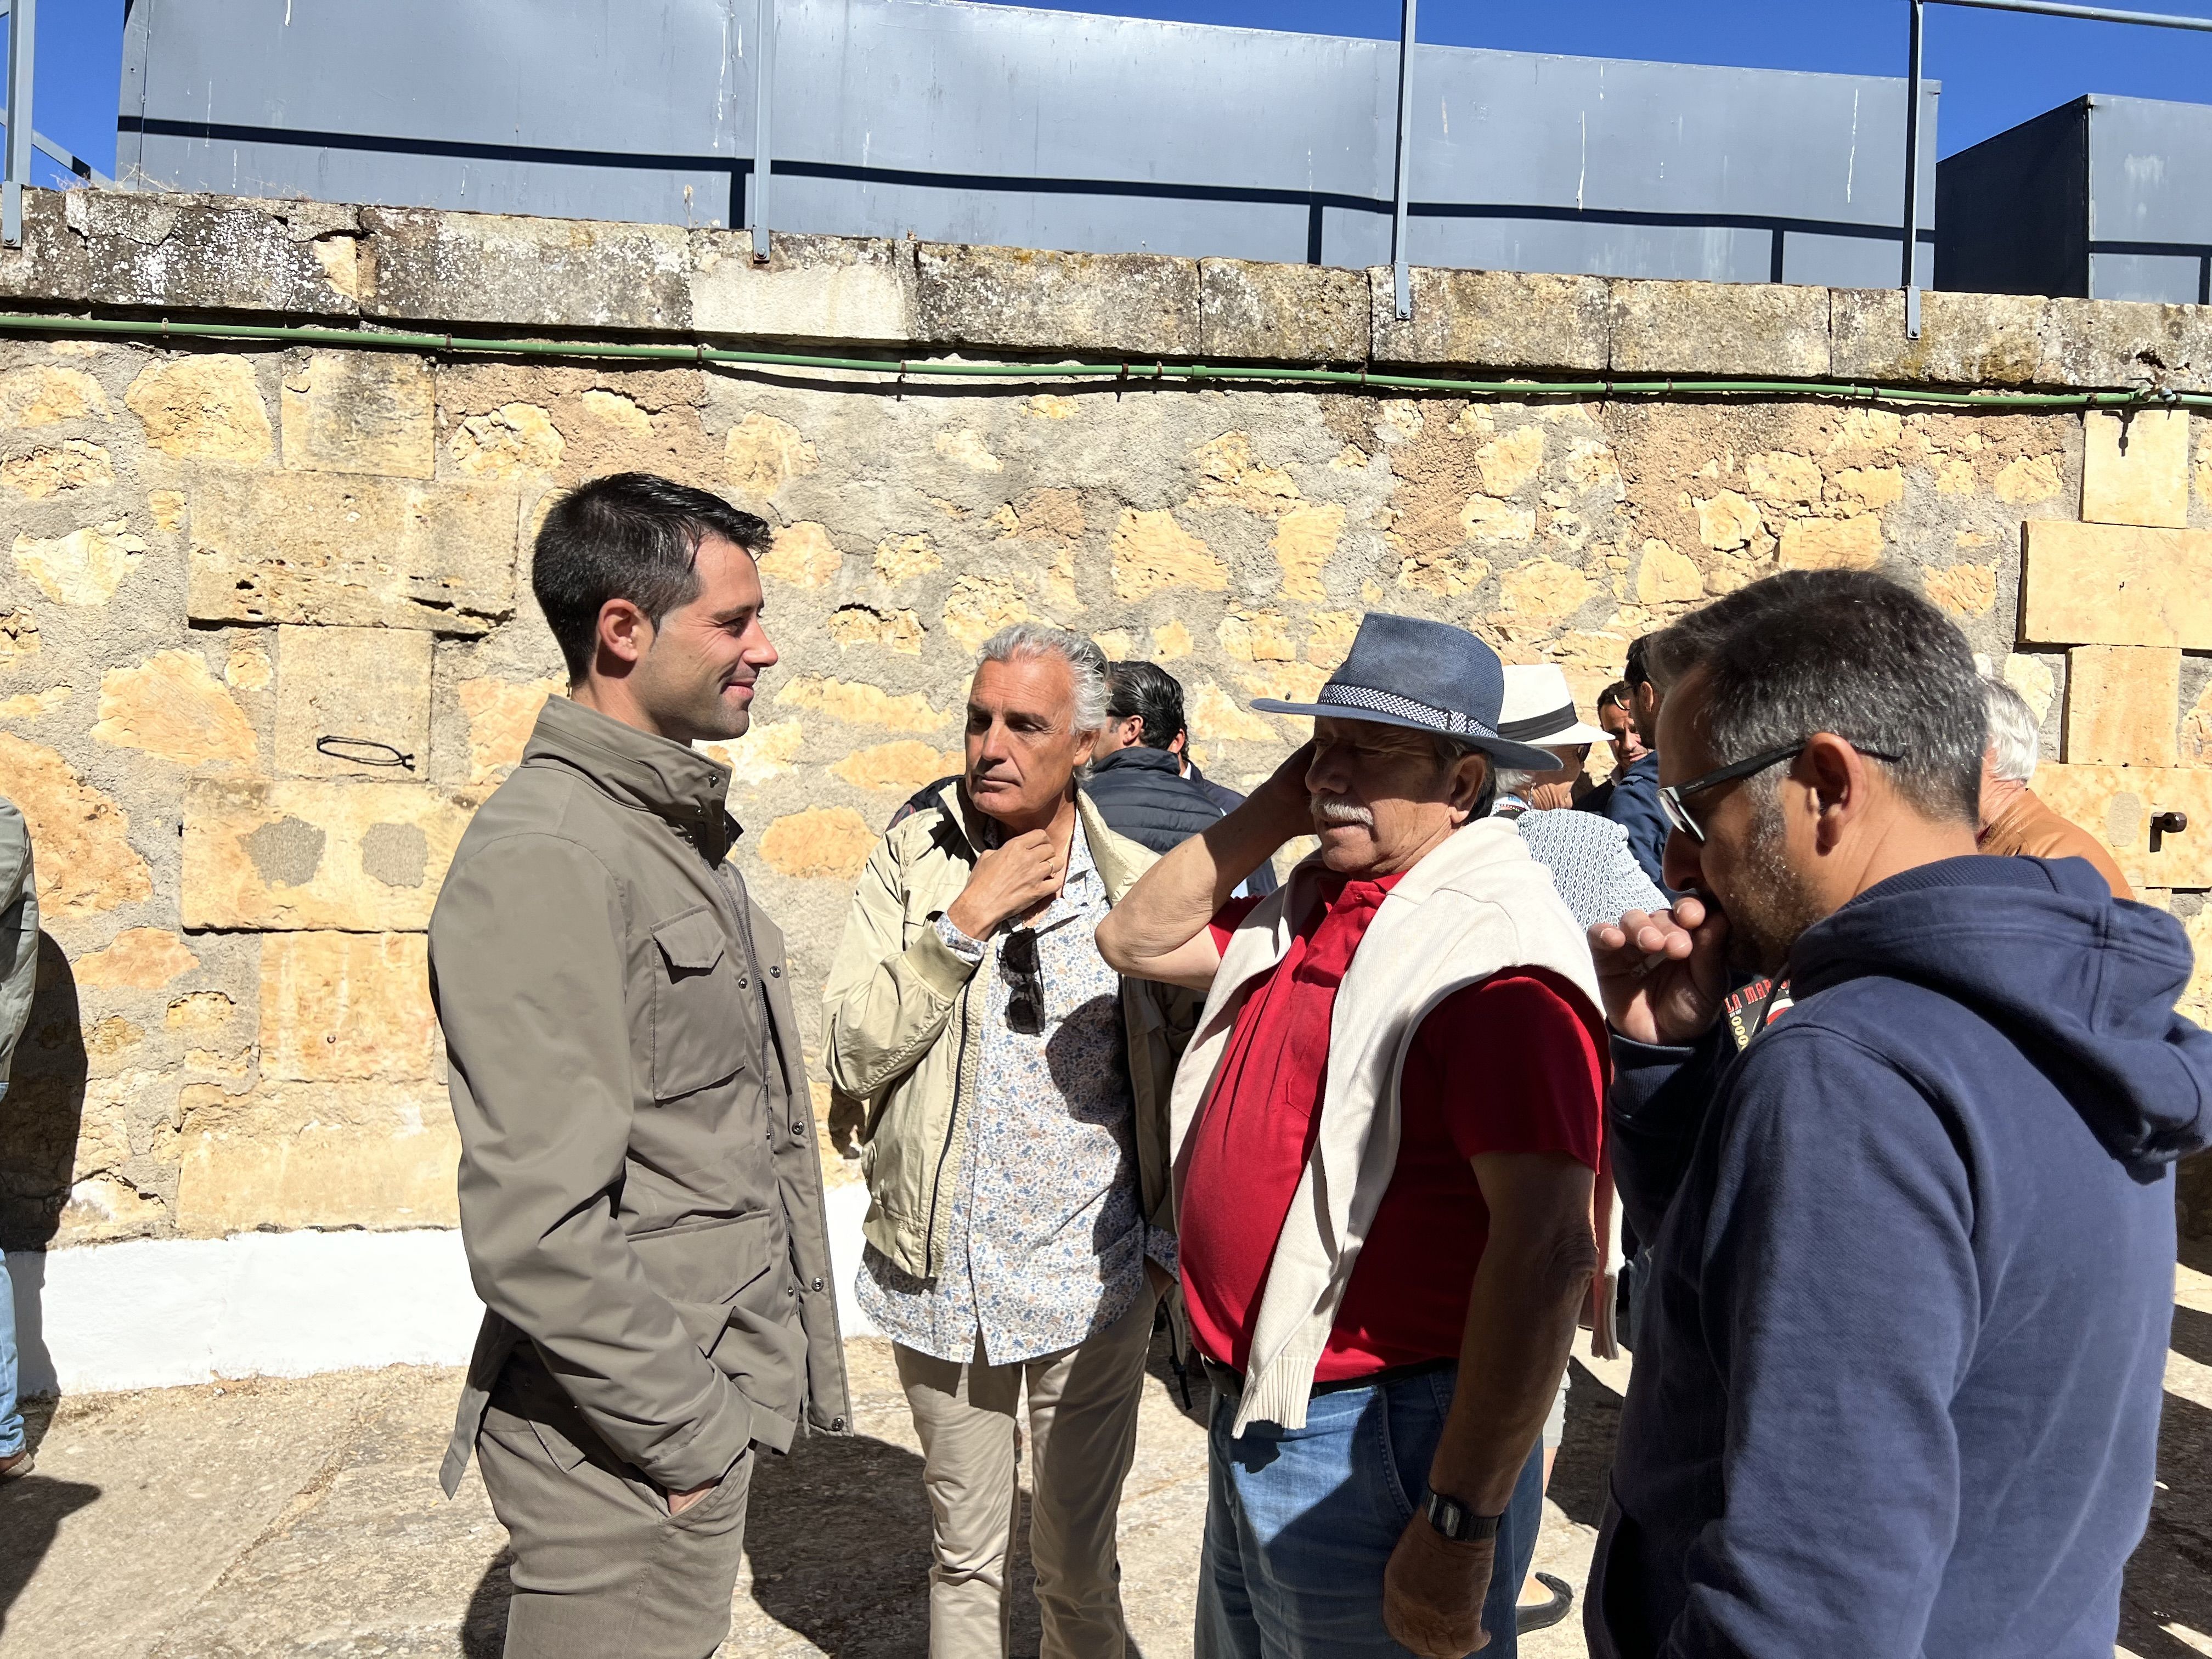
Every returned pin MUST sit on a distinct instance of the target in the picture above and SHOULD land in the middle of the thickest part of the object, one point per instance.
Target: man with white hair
(2015, 822)
(1019, 1228)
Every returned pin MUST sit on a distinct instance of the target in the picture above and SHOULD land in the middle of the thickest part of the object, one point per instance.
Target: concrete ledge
(528, 273)
(1268, 313)
(1495, 319)
(155, 1313)
(1752, 329)
(181, 254)
(848, 289)
(1005, 299)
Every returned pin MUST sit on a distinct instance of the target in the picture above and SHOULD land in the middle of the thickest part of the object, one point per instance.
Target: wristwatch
(1456, 1522)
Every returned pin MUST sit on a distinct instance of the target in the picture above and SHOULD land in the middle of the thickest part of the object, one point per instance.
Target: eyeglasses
(1023, 972)
(1670, 797)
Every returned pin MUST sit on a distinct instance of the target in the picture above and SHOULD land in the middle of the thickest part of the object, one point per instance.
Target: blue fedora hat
(1425, 677)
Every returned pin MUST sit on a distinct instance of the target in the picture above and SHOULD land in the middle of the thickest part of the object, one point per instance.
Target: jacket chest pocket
(702, 1033)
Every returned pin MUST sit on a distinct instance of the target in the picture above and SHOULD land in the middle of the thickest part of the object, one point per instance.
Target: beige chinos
(1083, 1434)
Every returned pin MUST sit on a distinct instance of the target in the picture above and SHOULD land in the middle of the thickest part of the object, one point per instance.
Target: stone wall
(221, 554)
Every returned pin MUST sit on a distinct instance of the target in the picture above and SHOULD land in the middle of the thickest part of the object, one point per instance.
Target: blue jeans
(11, 1420)
(1300, 1524)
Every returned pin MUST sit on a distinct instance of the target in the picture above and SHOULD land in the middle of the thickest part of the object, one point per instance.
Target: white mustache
(1329, 809)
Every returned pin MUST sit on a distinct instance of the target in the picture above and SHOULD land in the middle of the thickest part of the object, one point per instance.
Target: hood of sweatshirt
(2083, 984)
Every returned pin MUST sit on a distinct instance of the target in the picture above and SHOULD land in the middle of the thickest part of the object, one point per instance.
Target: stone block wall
(266, 638)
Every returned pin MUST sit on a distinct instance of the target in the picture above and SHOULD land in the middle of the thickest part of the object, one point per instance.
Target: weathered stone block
(2117, 804)
(1832, 543)
(828, 842)
(1492, 319)
(2101, 584)
(362, 858)
(2134, 467)
(305, 547)
(85, 861)
(361, 411)
(138, 959)
(502, 715)
(204, 407)
(219, 252)
(851, 289)
(317, 1154)
(83, 568)
(172, 706)
(1012, 298)
(1965, 339)
(2121, 705)
(1757, 330)
(53, 262)
(2118, 343)
(347, 1008)
(370, 683)
(423, 265)
(1282, 313)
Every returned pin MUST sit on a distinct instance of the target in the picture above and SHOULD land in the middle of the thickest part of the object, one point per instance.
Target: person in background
(18, 977)
(1599, 879)
(1898, 1382)
(640, 1197)
(2015, 822)
(1138, 778)
(1020, 1229)
(1387, 1127)
(1633, 800)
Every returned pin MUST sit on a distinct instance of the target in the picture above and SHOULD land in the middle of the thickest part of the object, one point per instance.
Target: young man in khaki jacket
(641, 1200)
(1020, 1229)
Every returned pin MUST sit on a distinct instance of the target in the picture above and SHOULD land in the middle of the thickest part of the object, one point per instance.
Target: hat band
(1537, 725)
(1446, 720)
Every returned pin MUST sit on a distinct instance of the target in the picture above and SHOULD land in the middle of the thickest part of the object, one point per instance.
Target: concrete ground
(303, 1518)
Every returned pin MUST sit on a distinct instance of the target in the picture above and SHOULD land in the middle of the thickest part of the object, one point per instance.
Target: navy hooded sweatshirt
(1898, 1371)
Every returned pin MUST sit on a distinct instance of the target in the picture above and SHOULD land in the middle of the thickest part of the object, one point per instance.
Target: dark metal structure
(1000, 124)
(2103, 198)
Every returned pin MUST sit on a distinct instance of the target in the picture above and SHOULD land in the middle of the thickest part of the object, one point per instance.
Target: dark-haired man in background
(1632, 798)
(1900, 1361)
(641, 1201)
(1141, 776)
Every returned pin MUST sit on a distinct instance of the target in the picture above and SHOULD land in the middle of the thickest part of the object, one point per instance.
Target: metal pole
(763, 93)
(1912, 277)
(22, 41)
(2089, 14)
(1400, 277)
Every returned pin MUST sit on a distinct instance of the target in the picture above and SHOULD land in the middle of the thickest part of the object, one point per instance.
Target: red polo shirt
(1509, 1064)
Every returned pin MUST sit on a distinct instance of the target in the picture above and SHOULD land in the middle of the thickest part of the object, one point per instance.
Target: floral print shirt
(1047, 1237)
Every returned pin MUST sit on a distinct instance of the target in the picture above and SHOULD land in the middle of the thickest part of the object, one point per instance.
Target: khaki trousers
(600, 1567)
(1083, 1433)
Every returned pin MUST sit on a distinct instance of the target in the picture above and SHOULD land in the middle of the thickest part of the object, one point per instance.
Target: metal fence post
(763, 95)
(1912, 277)
(22, 42)
(1401, 278)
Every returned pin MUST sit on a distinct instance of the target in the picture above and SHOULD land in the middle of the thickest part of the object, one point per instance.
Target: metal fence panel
(990, 124)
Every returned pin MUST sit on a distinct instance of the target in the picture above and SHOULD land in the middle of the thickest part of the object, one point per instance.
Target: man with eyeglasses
(1020, 1231)
(1899, 1368)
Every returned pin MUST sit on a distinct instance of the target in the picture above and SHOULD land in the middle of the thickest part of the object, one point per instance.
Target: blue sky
(1997, 70)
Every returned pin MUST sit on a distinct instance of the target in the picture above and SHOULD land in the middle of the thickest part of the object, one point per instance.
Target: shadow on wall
(44, 1108)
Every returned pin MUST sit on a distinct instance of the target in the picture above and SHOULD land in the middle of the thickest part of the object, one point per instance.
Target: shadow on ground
(30, 1514)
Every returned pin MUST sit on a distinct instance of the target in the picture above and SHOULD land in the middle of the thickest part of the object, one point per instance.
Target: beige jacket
(640, 1195)
(898, 1032)
(1477, 904)
(2029, 829)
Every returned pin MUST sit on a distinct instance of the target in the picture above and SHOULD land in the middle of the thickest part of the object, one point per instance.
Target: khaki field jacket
(900, 1033)
(640, 1194)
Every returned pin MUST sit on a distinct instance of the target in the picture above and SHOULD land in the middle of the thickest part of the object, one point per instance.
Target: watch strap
(1455, 1521)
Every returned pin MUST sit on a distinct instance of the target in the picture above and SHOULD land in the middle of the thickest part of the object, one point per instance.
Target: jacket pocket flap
(705, 1263)
(693, 942)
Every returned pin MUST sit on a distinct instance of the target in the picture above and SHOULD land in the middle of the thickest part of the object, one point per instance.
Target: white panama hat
(1540, 709)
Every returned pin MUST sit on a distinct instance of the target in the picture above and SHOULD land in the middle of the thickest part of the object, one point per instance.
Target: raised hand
(1008, 881)
(1664, 973)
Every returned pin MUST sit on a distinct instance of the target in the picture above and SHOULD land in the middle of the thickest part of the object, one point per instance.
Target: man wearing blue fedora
(1386, 1128)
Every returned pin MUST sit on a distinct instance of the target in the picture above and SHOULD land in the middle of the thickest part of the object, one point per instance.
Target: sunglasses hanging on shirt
(1023, 972)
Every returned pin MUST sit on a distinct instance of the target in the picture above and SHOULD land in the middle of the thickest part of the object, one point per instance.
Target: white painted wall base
(155, 1313)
